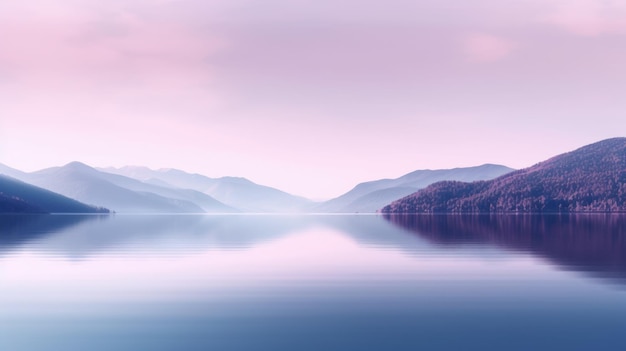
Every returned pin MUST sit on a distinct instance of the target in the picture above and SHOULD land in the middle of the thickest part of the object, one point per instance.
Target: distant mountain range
(370, 197)
(589, 179)
(121, 194)
(239, 193)
(19, 197)
(164, 191)
(134, 189)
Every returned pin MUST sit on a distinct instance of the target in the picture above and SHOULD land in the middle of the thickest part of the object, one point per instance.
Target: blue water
(334, 282)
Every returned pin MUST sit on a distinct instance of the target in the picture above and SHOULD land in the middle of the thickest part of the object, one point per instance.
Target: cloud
(481, 47)
(589, 17)
(89, 49)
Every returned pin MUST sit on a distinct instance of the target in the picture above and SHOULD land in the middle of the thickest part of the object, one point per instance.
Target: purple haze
(308, 96)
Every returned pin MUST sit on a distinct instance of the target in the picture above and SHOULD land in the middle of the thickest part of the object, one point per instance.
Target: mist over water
(312, 282)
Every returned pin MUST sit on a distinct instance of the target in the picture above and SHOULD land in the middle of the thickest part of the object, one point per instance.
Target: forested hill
(589, 179)
(19, 197)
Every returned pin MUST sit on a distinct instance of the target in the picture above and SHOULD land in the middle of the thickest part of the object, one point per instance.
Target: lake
(312, 282)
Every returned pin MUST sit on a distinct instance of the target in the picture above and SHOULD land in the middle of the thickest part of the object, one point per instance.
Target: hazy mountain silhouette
(589, 179)
(204, 201)
(233, 191)
(11, 172)
(19, 197)
(121, 194)
(372, 196)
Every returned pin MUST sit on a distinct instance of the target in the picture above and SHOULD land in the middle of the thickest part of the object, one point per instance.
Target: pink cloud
(79, 50)
(481, 47)
(590, 17)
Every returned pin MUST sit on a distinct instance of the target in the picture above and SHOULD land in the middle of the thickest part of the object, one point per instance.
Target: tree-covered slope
(589, 179)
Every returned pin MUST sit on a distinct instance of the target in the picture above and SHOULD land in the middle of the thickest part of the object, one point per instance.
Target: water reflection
(84, 236)
(80, 237)
(246, 282)
(16, 230)
(591, 243)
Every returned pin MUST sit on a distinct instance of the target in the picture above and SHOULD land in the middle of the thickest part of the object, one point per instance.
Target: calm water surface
(336, 282)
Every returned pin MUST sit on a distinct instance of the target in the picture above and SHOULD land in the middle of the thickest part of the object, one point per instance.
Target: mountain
(589, 179)
(122, 194)
(19, 197)
(372, 196)
(11, 172)
(204, 201)
(236, 192)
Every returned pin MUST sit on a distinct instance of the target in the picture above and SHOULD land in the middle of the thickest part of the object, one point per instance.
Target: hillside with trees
(19, 197)
(589, 179)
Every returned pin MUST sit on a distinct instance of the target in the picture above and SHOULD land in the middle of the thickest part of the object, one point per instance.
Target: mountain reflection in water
(310, 282)
(591, 243)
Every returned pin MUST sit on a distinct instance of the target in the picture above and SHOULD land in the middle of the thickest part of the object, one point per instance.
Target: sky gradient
(311, 97)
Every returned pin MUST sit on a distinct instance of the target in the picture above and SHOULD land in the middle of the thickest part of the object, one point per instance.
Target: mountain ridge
(123, 194)
(372, 195)
(591, 178)
(238, 192)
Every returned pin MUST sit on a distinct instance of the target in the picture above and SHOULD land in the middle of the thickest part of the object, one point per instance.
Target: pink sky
(308, 96)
